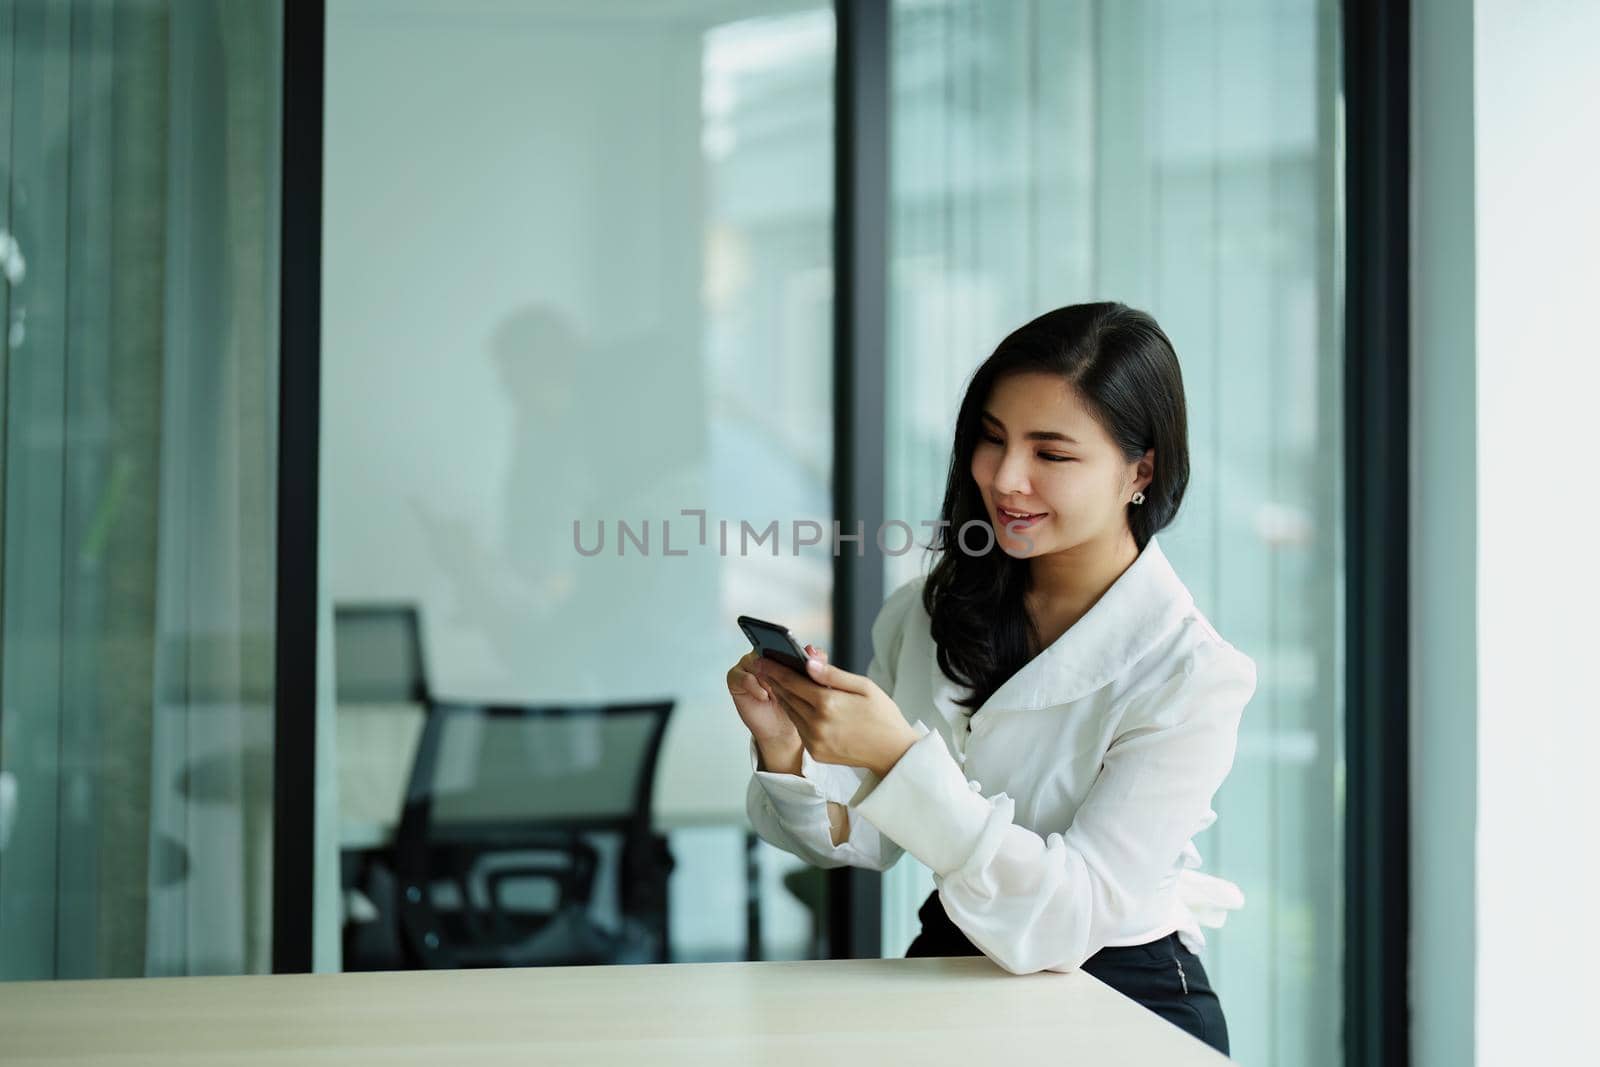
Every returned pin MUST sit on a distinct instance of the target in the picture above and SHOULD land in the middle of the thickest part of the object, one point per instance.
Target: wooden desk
(942, 1011)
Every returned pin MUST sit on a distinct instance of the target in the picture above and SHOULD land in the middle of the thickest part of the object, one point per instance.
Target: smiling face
(1042, 453)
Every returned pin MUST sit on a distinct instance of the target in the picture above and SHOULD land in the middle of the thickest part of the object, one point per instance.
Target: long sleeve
(790, 811)
(1033, 903)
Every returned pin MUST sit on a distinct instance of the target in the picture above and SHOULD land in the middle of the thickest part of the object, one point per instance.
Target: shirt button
(974, 786)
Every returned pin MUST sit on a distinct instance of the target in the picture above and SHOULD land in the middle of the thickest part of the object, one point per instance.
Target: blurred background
(578, 354)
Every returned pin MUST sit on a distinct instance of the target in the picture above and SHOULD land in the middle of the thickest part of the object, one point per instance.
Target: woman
(1047, 714)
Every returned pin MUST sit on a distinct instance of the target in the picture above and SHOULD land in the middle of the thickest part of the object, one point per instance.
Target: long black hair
(1124, 368)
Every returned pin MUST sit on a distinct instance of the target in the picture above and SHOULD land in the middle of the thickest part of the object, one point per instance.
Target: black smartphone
(774, 642)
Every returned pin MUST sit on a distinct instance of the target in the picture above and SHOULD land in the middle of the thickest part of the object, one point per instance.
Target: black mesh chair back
(504, 794)
(520, 766)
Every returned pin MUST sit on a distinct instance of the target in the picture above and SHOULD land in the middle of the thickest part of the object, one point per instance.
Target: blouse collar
(1141, 608)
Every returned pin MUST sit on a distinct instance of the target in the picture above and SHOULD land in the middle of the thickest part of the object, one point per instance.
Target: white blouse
(1063, 823)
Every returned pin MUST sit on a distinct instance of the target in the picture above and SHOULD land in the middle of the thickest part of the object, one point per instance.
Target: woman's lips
(1014, 521)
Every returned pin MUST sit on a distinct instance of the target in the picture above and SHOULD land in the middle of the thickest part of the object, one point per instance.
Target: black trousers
(1162, 975)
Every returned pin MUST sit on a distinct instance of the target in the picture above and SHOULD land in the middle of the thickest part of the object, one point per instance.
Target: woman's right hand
(763, 716)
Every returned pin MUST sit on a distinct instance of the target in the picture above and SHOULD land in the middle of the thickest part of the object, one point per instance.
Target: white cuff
(926, 805)
(796, 799)
(830, 781)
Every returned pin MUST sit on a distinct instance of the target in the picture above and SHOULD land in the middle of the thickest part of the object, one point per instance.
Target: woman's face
(1040, 452)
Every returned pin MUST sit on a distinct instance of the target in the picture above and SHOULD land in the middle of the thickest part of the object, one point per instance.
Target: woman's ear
(1144, 471)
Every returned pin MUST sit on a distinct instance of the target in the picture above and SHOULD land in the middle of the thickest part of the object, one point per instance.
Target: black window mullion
(1376, 88)
(299, 409)
(861, 207)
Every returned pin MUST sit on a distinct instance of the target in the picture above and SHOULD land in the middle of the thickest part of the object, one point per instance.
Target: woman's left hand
(841, 717)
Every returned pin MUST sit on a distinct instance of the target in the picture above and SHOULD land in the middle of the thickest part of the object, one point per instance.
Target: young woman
(1047, 715)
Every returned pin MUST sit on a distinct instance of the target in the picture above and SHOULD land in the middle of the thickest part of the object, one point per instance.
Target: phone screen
(774, 642)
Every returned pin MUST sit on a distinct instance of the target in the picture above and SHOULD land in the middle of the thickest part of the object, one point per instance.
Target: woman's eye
(1051, 457)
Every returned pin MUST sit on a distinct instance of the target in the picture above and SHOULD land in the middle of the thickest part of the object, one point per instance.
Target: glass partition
(138, 443)
(577, 359)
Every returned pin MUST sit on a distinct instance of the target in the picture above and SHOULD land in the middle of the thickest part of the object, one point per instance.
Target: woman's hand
(842, 717)
(763, 716)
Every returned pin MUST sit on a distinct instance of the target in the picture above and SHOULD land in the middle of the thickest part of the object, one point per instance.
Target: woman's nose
(1011, 479)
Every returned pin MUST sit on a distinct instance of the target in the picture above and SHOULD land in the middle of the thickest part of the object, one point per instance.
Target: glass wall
(576, 327)
(1182, 158)
(138, 410)
(577, 415)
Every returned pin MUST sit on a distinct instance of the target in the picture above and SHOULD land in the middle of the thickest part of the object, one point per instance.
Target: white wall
(1506, 732)
(1538, 269)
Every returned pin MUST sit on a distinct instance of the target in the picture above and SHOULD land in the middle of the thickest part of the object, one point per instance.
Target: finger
(826, 674)
(795, 686)
(792, 708)
(775, 677)
(820, 653)
(744, 680)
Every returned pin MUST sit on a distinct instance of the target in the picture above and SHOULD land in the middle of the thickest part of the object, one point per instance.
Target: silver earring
(1138, 498)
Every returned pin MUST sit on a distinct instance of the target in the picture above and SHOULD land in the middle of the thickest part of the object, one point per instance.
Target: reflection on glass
(138, 417)
(578, 293)
(1179, 158)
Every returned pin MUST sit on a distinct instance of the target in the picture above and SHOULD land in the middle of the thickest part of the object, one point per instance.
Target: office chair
(382, 694)
(377, 652)
(504, 796)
